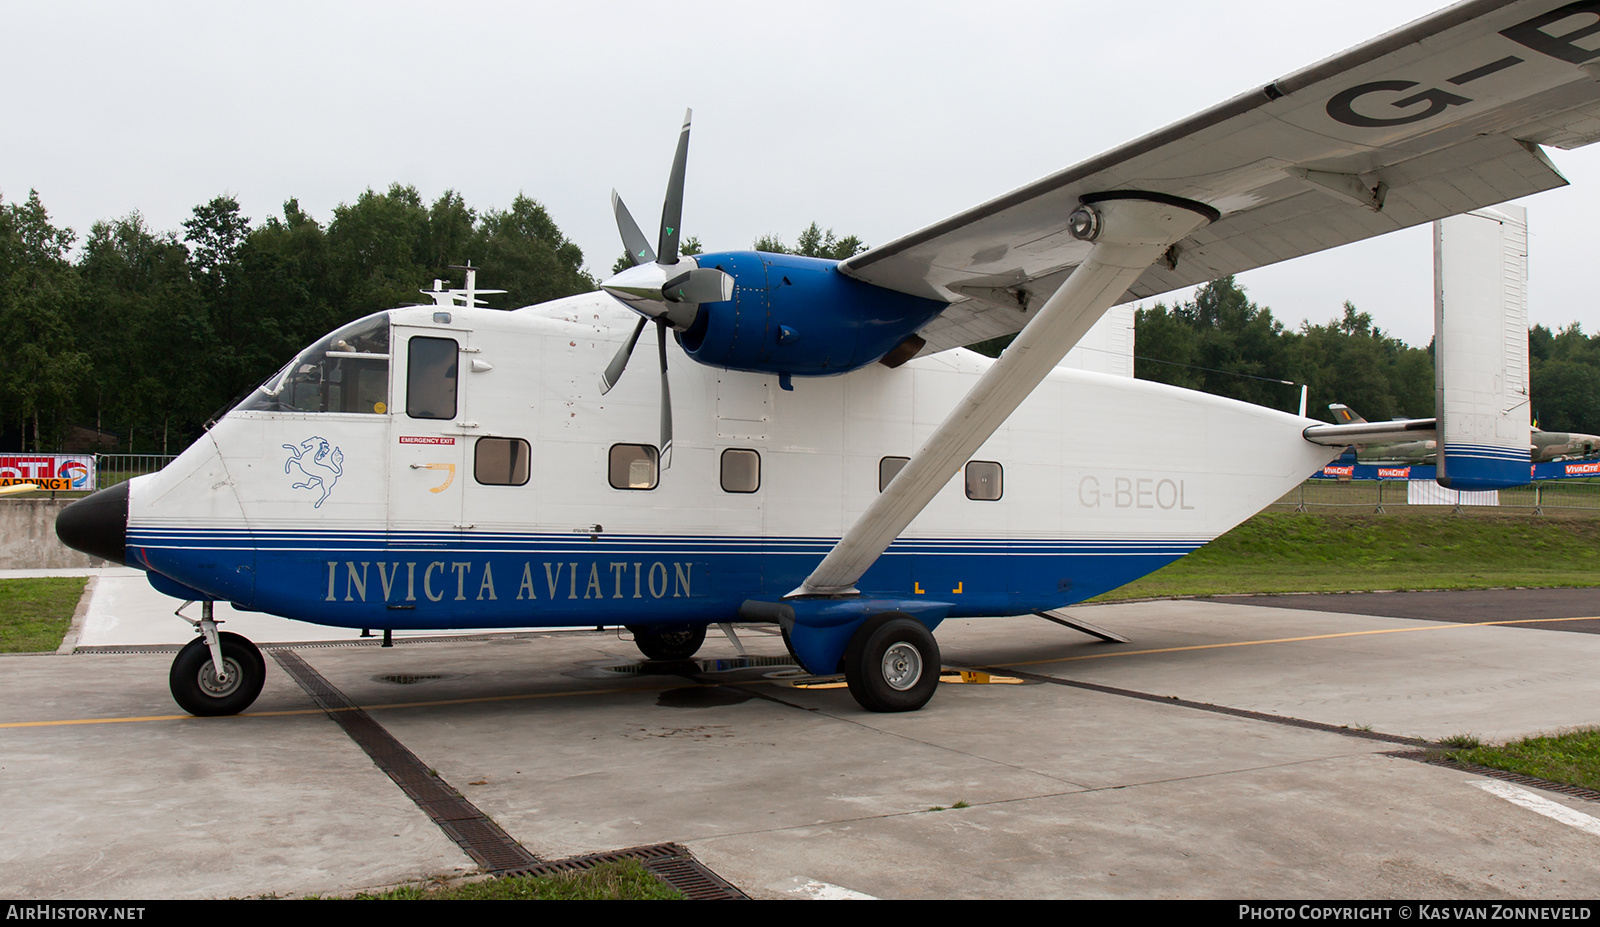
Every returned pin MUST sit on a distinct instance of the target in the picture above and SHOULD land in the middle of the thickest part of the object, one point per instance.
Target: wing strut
(1130, 232)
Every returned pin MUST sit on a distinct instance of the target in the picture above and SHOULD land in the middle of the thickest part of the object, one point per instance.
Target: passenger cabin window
(741, 470)
(887, 468)
(634, 466)
(983, 480)
(348, 371)
(501, 461)
(431, 378)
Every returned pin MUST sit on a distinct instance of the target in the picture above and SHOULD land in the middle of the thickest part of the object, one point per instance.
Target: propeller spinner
(660, 286)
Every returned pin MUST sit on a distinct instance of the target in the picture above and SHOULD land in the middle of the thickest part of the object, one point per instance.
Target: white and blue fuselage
(531, 500)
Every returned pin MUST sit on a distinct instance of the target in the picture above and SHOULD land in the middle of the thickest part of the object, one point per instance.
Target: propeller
(661, 286)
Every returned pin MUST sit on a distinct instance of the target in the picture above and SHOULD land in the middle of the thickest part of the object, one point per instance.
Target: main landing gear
(199, 688)
(892, 664)
(678, 643)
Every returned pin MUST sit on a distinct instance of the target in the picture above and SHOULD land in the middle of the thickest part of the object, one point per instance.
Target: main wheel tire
(194, 679)
(670, 643)
(892, 664)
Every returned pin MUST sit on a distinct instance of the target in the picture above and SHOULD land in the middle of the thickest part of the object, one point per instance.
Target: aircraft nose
(97, 524)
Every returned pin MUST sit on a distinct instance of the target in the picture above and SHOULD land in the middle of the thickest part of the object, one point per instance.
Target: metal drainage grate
(472, 830)
(670, 862)
(408, 679)
(1437, 758)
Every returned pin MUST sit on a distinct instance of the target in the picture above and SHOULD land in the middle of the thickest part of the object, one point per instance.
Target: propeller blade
(666, 397)
(638, 246)
(701, 285)
(672, 209)
(619, 363)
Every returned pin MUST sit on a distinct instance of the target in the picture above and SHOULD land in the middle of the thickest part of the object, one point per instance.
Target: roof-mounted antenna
(469, 296)
(443, 295)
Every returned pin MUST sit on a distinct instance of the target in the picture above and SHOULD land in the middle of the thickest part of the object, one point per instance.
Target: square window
(741, 470)
(501, 461)
(634, 466)
(887, 468)
(983, 480)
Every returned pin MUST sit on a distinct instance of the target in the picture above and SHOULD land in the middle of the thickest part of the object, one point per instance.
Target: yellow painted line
(318, 711)
(92, 721)
(1294, 640)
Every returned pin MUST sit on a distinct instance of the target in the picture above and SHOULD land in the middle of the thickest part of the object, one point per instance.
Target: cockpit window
(348, 371)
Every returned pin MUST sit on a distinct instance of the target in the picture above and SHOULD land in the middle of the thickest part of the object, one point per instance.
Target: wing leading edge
(1437, 118)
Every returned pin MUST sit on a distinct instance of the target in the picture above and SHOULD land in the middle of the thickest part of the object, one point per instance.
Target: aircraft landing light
(1292, 640)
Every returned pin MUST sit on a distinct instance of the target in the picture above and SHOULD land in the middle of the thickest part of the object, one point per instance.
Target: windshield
(348, 371)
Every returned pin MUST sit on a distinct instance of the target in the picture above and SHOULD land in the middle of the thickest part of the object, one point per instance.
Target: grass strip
(36, 612)
(1572, 757)
(1290, 552)
(622, 880)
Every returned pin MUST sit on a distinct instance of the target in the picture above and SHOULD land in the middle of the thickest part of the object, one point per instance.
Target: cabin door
(430, 431)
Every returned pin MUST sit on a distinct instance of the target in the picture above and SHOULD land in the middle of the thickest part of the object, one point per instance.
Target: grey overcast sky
(875, 118)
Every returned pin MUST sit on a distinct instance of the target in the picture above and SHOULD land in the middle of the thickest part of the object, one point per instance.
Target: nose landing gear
(197, 685)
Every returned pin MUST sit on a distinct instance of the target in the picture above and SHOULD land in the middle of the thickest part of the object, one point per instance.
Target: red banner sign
(76, 469)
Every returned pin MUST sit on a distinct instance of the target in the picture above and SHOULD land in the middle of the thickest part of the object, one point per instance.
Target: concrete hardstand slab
(1140, 785)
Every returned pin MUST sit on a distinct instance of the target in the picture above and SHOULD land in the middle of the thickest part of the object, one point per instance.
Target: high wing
(1433, 119)
(1438, 118)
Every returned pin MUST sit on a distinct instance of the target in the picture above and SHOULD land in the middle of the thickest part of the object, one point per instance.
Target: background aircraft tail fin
(1344, 415)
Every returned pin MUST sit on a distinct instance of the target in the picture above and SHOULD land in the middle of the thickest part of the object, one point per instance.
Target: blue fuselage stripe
(375, 579)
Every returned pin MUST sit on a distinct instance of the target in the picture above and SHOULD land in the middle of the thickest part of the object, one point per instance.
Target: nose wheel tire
(892, 664)
(195, 683)
(668, 644)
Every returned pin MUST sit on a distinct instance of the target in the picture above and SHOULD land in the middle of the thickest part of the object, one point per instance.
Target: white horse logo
(321, 468)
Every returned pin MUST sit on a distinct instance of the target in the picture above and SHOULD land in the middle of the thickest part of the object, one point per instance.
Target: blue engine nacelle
(799, 316)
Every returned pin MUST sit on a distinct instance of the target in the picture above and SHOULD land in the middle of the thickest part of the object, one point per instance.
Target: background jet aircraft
(1545, 445)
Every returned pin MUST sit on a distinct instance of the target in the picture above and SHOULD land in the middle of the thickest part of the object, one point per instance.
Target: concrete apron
(1070, 791)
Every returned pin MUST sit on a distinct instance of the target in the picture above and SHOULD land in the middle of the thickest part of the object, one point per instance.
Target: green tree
(379, 250)
(147, 333)
(287, 280)
(40, 363)
(1220, 342)
(1566, 396)
(813, 242)
(1564, 379)
(217, 235)
(524, 253)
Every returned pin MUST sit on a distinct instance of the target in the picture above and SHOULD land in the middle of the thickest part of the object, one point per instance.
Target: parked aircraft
(838, 464)
(1544, 445)
(1563, 445)
(1418, 452)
